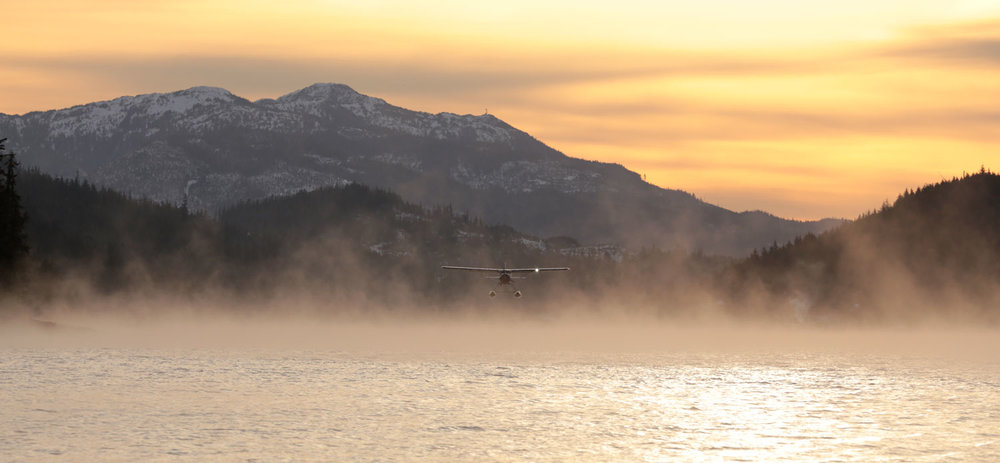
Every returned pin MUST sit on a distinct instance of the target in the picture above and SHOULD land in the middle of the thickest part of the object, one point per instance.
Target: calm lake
(93, 399)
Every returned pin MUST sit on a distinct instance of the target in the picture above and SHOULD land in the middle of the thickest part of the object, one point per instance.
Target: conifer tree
(13, 242)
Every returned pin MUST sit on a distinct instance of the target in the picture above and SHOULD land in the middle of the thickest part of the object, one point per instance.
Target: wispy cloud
(969, 44)
(972, 51)
(266, 75)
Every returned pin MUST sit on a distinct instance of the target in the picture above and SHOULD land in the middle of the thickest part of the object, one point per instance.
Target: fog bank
(498, 333)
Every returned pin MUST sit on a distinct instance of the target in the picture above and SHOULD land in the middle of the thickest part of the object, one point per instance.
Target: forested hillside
(350, 243)
(330, 240)
(936, 247)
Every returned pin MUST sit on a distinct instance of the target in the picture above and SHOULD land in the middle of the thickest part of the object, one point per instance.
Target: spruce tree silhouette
(13, 242)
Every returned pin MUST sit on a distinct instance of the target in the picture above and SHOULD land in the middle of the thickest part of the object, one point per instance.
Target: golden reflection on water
(98, 404)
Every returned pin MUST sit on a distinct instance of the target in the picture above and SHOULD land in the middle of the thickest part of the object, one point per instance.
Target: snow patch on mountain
(105, 118)
(327, 100)
(183, 101)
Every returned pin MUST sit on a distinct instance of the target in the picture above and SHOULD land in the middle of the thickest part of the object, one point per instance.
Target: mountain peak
(193, 95)
(178, 102)
(336, 93)
(206, 92)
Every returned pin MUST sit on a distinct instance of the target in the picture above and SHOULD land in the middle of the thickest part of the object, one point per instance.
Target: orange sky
(803, 109)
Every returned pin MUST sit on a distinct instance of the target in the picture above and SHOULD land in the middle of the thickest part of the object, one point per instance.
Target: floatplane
(505, 276)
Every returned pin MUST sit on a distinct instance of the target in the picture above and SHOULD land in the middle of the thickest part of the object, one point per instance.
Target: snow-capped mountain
(219, 149)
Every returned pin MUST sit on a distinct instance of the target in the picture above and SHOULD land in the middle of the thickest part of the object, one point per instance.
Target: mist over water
(504, 328)
(202, 385)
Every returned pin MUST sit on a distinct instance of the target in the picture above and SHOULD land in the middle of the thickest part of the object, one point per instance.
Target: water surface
(271, 404)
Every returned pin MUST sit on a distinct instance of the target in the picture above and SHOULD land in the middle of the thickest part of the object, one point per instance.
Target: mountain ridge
(211, 148)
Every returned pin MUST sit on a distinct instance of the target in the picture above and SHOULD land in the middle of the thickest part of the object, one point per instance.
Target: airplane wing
(505, 270)
(472, 269)
(536, 269)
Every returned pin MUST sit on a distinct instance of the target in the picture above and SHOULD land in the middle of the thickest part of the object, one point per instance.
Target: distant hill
(350, 241)
(214, 149)
(936, 247)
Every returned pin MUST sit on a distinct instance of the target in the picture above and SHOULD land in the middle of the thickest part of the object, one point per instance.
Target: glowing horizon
(806, 111)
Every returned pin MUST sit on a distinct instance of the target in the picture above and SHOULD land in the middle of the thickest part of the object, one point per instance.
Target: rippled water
(245, 404)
